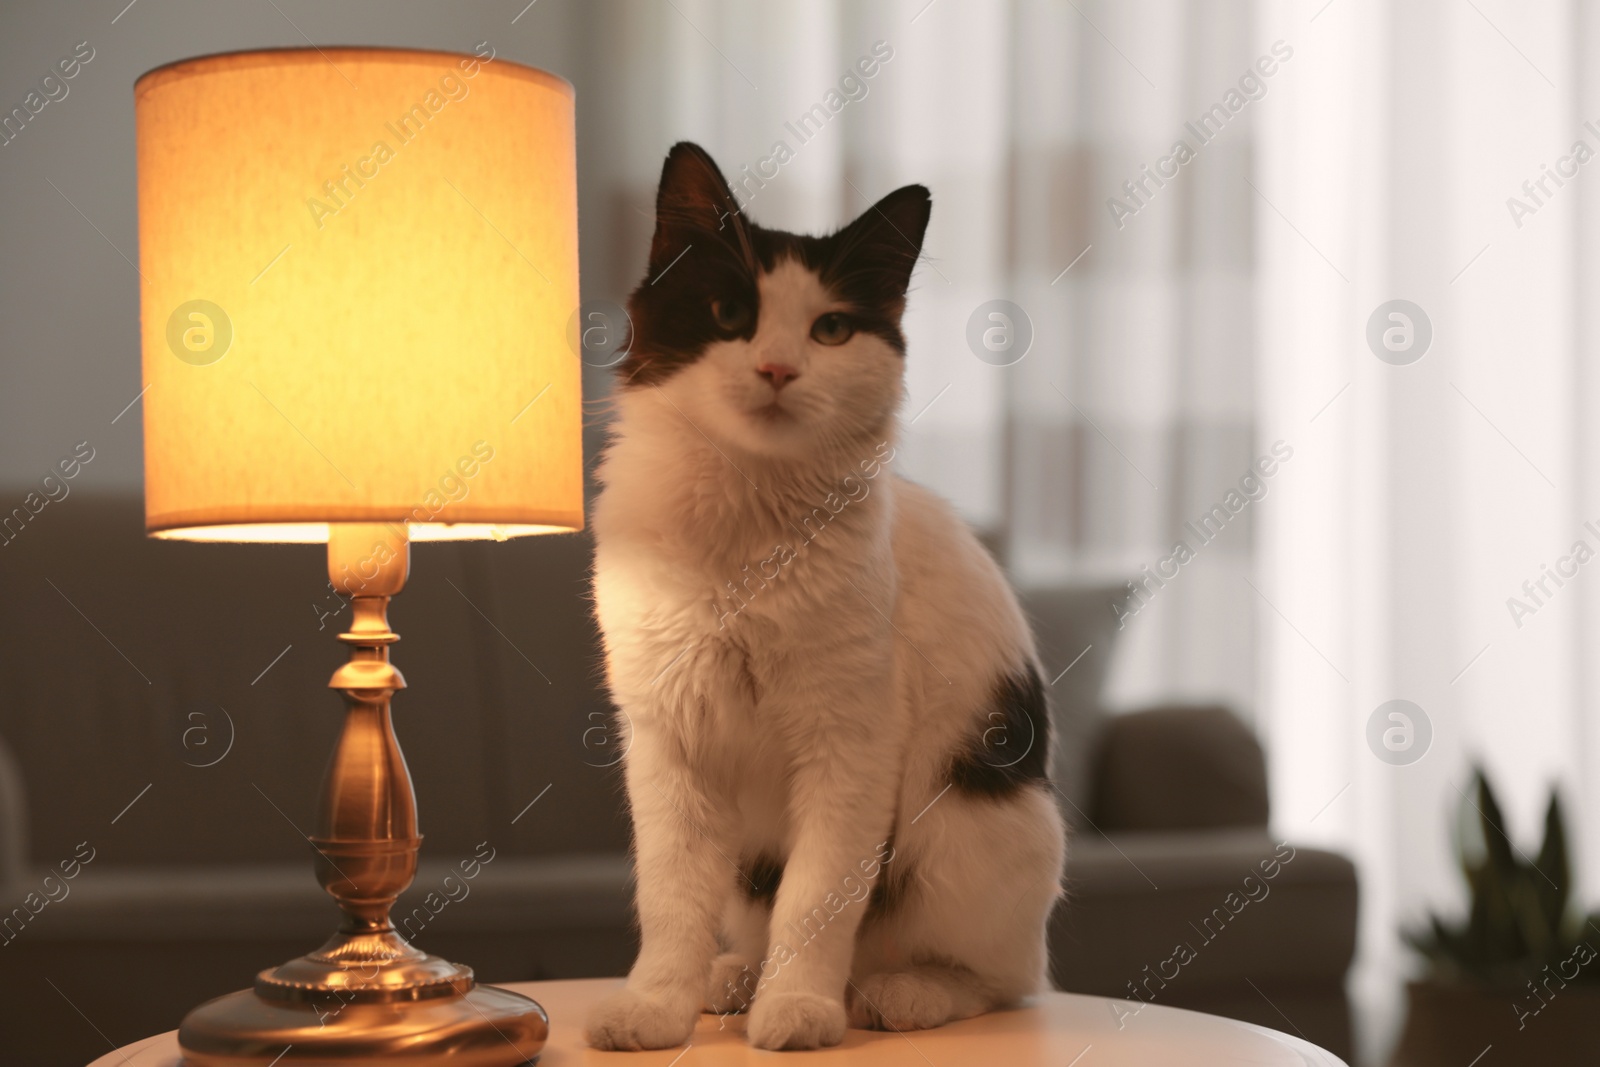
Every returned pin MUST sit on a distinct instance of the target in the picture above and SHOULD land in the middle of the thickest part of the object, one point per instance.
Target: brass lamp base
(367, 995)
(484, 1027)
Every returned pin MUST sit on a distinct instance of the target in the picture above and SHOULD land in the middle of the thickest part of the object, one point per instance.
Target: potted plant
(1518, 980)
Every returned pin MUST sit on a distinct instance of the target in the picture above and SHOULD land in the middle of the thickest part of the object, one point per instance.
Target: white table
(1056, 1030)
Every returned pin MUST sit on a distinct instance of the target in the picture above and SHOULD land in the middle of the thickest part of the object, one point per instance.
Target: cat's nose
(777, 374)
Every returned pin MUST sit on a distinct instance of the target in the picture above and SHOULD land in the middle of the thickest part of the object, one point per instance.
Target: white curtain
(1133, 416)
(1423, 496)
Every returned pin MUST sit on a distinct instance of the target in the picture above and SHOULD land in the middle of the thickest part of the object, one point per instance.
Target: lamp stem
(366, 837)
(366, 996)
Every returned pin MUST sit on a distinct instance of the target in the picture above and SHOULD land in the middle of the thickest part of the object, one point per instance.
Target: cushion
(1178, 768)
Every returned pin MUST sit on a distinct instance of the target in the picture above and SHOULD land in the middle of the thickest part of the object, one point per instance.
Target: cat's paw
(632, 1020)
(900, 1000)
(795, 1021)
(733, 984)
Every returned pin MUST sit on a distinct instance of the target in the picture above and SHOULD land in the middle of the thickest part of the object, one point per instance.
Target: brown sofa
(166, 710)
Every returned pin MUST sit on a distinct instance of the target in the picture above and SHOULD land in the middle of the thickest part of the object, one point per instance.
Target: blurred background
(1170, 316)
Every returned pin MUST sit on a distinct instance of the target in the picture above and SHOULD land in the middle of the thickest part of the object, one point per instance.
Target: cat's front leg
(682, 882)
(841, 807)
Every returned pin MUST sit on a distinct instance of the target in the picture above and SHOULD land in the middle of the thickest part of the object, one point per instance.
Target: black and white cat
(837, 738)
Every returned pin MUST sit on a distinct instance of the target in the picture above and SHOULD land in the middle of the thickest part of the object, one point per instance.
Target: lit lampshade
(358, 270)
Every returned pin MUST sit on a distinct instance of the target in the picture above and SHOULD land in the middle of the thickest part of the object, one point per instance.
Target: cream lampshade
(358, 268)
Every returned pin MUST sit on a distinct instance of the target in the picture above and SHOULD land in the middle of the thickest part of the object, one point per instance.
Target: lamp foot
(484, 1027)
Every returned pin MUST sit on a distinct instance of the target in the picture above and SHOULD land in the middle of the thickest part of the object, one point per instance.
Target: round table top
(1055, 1029)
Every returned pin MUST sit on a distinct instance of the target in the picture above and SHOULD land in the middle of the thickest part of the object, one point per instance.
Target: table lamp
(358, 267)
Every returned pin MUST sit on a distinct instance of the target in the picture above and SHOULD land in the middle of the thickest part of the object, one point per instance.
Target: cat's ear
(878, 250)
(693, 204)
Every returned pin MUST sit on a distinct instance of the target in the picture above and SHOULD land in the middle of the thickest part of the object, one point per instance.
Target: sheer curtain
(1133, 417)
(1426, 494)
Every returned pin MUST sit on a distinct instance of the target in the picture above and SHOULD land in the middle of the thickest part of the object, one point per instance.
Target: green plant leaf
(1554, 867)
(1516, 921)
(1495, 841)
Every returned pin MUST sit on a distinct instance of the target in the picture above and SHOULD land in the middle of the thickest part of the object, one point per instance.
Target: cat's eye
(730, 315)
(834, 328)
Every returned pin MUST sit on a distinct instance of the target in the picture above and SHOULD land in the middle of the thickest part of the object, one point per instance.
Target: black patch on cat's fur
(760, 877)
(704, 249)
(1011, 745)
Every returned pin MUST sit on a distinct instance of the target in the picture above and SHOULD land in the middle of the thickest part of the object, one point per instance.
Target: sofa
(165, 720)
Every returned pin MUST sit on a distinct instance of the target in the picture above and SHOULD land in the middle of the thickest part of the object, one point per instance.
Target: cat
(836, 733)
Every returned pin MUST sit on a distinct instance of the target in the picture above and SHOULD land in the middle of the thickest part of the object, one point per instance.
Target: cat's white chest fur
(734, 645)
